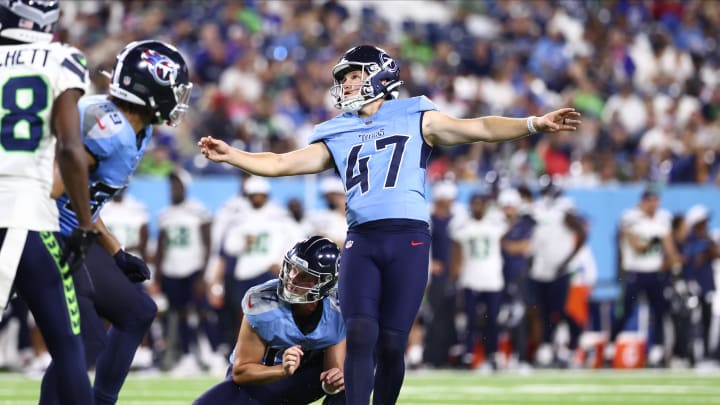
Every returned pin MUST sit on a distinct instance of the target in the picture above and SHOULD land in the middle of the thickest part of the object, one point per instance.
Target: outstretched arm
(313, 158)
(442, 129)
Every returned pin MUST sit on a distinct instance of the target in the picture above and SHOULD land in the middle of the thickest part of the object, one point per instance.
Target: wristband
(329, 389)
(530, 126)
(217, 289)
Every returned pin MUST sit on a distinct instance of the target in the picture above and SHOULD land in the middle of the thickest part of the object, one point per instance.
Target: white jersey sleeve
(32, 77)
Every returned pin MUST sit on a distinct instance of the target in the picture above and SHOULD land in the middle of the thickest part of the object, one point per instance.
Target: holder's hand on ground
(291, 360)
(214, 149)
(333, 381)
(76, 246)
(564, 119)
(135, 269)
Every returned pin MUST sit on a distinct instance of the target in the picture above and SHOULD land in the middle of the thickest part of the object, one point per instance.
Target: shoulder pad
(261, 298)
(101, 119)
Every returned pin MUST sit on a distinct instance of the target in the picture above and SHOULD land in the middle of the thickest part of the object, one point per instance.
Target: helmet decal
(388, 63)
(153, 74)
(162, 69)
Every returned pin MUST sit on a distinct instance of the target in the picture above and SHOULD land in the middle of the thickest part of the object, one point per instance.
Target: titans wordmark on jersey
(382, 163)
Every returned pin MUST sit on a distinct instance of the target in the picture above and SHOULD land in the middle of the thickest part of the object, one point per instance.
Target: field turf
(604, 387)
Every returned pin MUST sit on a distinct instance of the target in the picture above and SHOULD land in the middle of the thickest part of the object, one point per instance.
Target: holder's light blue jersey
(110, 138)
(381, 159)
(273, 321)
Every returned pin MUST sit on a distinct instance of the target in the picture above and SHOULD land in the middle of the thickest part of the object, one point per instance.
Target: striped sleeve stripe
(76, 68)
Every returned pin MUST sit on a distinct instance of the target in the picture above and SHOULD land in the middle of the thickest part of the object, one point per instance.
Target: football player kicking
(380, 146)
(291, 345)
(149, 86)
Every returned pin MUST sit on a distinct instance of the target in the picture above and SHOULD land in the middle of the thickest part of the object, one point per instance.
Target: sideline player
(380, 146)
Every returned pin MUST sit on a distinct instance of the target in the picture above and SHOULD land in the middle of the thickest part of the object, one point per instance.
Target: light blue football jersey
(273, 321)
(382, 160)
(110, 138)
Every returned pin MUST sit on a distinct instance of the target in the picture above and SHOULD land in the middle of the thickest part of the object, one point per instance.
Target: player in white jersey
(40, 84)
(127, 219)
(330, 222)
(645, 245)
(557, 238)
(182, 253)
(477, 265)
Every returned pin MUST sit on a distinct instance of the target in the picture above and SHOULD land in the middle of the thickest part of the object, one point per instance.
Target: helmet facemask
(376, 82)
(300, 284)
(182, 97)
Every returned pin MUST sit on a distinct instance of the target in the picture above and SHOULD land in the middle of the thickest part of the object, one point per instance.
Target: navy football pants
(383, 275)
(104, 291)
(49, 292)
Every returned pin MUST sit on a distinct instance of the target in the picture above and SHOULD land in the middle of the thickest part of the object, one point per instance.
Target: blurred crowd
(644, 74)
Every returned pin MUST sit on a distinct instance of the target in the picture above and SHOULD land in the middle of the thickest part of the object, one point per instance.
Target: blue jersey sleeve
(421, 104)
(100, 123)
(324, 130)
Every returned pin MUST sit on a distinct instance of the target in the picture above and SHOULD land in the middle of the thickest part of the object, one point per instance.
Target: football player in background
(441, 296)
(476, 264)
(550, 272)
(330, 222)
(516, 245)
(646, 244)
(699, 251)
(291, 345)
(41, 84)
(380, 146)
(149, 86)
(183, 249)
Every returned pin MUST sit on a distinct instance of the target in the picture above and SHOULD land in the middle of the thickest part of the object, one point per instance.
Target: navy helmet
(28, 20)
(153, 74)
(310, 271)
(380, 77)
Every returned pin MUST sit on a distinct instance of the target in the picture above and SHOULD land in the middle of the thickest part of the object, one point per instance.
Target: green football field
(444, 387)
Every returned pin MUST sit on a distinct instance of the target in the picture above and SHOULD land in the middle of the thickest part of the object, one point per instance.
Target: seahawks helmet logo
(162, 68)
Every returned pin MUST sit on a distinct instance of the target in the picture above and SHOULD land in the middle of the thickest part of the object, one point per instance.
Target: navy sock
(362, 333)
(390, 370)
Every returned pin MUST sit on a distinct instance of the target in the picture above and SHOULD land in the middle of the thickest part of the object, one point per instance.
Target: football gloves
(76, 246)
(134, 267)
